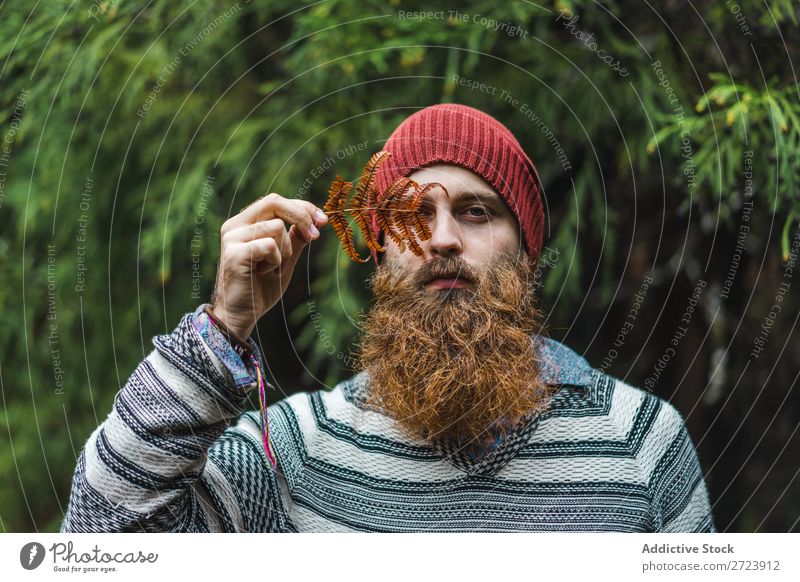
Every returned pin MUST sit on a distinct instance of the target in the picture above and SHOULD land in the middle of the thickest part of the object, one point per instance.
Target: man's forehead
(459, 182)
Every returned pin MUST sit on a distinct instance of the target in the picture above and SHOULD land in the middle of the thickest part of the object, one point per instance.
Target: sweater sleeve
(214, 339)
(177, 453)
(680, 496)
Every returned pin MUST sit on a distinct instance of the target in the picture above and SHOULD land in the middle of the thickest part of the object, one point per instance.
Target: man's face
(451, 360)
(471, 222)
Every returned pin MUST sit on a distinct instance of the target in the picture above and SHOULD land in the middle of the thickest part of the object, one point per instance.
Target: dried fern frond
(335, 209)
(385, 211)
(397, 210)
(365, 198)
(366, 186)
(421, 226)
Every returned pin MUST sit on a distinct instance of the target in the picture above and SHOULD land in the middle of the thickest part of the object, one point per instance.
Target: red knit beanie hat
(465, 136)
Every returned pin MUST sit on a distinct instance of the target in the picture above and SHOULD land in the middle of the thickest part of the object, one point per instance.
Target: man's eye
(482, 211)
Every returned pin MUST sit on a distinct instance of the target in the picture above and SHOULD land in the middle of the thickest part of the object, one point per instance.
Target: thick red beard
(455, 363)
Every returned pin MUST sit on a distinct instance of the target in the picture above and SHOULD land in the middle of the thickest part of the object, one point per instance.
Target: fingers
(265, 228)
(299, 212)
(263, 255)
(243, 246)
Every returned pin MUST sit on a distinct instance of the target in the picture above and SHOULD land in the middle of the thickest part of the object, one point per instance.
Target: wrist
(232, 327)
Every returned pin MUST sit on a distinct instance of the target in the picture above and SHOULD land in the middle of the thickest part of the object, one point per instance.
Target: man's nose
(445, 235)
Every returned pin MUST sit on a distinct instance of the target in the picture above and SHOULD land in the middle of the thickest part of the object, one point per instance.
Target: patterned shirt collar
(561, 365)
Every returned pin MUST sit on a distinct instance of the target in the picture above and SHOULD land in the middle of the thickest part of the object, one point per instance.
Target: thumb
(298, 240)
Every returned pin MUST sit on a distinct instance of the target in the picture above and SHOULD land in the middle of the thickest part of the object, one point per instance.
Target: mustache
(444, 268)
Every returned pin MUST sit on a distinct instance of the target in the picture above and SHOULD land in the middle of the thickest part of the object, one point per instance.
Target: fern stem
(362, 209)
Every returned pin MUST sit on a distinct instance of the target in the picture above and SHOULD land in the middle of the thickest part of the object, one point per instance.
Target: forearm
(145, 467)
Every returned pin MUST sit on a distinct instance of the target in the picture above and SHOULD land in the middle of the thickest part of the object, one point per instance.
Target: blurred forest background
(667, 136)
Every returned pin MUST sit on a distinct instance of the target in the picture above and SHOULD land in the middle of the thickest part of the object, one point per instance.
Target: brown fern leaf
(391, 201)
(404, 220)
(417, 219)
(363, 222)
(337, 195)
(366, 191)
(334, 208)
(396, 210)
(363, 200)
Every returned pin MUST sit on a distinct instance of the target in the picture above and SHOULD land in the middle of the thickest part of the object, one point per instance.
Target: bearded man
(464, 416)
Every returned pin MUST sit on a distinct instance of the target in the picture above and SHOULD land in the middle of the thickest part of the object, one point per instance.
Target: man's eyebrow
(474, 196)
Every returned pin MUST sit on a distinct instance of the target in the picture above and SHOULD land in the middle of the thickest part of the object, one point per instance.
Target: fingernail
(314, 231)
(321, 216)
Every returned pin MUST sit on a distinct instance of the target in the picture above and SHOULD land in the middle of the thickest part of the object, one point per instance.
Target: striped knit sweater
(179, 453)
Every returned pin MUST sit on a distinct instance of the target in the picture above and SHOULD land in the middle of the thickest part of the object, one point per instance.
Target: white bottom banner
(371, 557)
